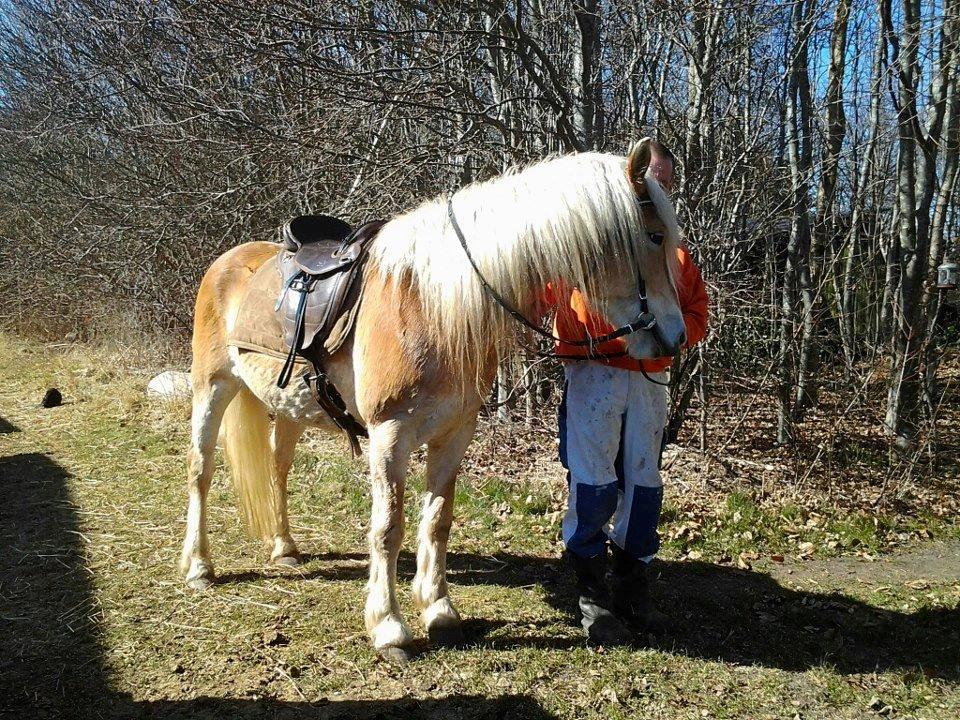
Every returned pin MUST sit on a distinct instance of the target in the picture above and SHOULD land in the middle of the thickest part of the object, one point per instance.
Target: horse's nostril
(682, 340)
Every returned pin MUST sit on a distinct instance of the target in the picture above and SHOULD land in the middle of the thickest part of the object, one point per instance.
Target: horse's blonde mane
(560, 220)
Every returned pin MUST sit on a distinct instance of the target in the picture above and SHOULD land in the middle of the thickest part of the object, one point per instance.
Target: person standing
(612, 421)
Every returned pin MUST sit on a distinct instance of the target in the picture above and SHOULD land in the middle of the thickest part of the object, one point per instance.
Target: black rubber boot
(630, 589)
(600, 624)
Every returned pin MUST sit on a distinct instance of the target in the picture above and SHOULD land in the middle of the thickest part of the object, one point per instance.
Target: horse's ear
(648, 154)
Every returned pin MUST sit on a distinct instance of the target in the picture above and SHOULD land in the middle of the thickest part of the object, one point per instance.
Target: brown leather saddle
(321, 267)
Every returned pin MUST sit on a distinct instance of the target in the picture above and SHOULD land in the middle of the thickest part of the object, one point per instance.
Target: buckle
(301, 285)
(643, 321)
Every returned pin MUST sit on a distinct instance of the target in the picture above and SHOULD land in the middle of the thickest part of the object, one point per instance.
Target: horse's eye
(656, 238)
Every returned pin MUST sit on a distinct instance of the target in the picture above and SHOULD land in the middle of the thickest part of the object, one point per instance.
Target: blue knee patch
(595, 506)
(642, 538)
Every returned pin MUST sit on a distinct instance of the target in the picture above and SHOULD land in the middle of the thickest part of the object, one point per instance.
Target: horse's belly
(259, 372)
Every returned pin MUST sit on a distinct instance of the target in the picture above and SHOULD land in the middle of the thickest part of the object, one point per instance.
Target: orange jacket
(574, 321)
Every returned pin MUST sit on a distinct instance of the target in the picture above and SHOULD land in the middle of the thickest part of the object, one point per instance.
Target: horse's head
(648, 268)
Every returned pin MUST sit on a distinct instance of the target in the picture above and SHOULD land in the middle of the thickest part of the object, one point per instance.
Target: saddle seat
(314, 242)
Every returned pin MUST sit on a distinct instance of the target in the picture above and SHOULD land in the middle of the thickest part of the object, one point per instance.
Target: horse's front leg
(389, 457)
(430, 592)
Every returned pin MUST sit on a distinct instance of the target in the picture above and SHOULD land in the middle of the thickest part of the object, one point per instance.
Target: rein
(645, 320)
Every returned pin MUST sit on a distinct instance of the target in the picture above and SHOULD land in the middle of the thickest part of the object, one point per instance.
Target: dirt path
(936, 563)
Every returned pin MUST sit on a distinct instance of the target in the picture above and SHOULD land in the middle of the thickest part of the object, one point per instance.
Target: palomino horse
(424, 351)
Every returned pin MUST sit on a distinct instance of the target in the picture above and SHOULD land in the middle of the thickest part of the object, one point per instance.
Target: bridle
(645, 320)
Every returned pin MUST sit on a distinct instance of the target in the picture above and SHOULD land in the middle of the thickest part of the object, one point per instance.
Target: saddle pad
(258, 328)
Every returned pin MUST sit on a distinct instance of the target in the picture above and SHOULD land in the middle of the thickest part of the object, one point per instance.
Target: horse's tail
(245, 435)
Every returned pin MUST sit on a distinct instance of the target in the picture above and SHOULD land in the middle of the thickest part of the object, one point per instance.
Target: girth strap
(330, 399)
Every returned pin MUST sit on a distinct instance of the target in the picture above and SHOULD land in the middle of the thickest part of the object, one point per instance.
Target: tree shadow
(51, 648)
(50, 644)
(468, 707)
(721, 613)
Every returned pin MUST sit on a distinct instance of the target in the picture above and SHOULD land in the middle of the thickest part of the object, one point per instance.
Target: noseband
(645, 320)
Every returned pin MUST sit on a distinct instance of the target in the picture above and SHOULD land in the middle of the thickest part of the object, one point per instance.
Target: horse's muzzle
(668, 347)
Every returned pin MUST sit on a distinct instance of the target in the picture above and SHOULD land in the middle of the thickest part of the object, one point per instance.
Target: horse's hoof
(287, 561)
(200, 583)
(450, 637)
(396, 655)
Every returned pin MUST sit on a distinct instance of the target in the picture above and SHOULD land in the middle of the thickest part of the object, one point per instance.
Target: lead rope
(643, 321)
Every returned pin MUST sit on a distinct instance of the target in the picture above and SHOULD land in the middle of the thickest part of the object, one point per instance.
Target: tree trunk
(916, 181)
(796, 264)
(588, 110)
(854, 247)
(812, 277)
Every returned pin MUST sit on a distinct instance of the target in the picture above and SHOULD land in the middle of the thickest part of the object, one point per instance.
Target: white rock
(170, 385)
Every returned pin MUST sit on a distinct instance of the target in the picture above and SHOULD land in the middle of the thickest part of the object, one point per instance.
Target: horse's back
(218, 299)
(229, 272)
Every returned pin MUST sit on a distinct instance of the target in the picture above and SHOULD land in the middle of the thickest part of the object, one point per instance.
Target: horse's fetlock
(196, 568)
(283, 546)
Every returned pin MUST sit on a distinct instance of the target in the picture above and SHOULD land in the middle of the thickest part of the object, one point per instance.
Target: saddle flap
(328, 274)
(326, 257)
(326, 297)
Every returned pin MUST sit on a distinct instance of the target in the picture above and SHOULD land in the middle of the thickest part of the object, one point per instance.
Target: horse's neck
(526, 254)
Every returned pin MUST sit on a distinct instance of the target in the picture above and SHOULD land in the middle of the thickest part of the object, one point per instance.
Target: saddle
(321, 266)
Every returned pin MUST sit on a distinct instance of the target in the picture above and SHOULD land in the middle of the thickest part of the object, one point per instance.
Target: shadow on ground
(722, 613)
(50, 643)
(7, 427)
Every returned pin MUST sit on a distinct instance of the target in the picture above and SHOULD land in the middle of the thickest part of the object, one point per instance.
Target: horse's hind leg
(286, 434)
(430, 592)
(210, 400)
(389, 457)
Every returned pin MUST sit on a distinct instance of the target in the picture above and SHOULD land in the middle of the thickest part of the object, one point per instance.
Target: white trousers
(611, 430)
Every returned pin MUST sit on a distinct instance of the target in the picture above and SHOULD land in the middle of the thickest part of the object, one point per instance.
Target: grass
(98, 624)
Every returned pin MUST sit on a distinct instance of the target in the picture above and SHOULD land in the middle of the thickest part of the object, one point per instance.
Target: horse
(423, 354)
